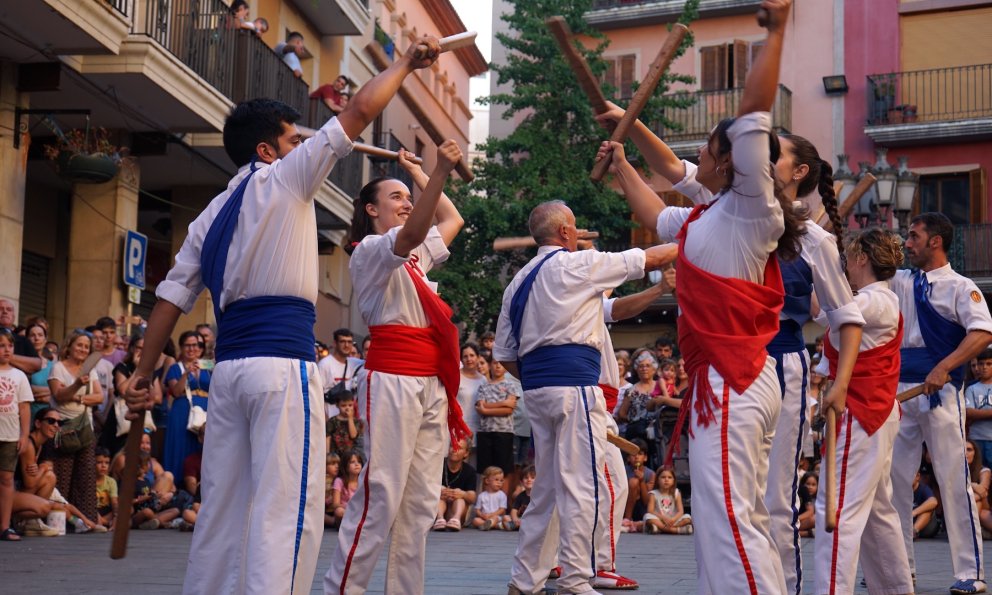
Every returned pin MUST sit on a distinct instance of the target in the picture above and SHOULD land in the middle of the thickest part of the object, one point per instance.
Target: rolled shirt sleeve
(753, 183)
(690, 188)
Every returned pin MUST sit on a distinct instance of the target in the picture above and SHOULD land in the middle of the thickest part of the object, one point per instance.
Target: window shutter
(709, 76)
(740, 64)
(610, 75)
(626, 86)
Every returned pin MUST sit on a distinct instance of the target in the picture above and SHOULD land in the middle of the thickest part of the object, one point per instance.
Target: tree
(547, 157)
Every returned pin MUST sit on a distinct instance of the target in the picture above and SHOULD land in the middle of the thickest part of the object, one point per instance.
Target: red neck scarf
(436, 349)
(874, 381)
(725, 323)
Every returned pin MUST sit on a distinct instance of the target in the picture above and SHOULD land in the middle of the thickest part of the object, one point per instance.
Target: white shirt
(489, 502)
(467, 390)
(290, 58)
(274, 248)
(332, 371)
(566, 300)
(735, 236)
(385, 292)
(609, 373)
(15, 388)
(880, 308)
(104, 371)
(953, 296)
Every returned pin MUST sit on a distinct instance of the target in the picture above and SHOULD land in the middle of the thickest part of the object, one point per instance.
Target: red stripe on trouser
(368, 469)
(613, 545)
(840, 506)
(727, 500)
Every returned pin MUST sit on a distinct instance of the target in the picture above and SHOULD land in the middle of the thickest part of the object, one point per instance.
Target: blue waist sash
(560, 365)
(788, 340)
(267, 326)
(797, 279)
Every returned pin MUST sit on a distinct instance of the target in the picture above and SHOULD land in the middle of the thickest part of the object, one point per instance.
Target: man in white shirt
(338, 367)
(255, 248)
(291, 51)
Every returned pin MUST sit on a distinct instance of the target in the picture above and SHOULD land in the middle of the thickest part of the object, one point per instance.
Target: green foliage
(549, 156)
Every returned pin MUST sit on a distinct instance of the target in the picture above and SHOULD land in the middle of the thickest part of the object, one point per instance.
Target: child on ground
(522, 500)
(807, 496)
(106, 489)
(15, 425)
(640, 482)
(345, 487)
(344, 430)
(978, 403)
(490, 507)
(333, 467)
(924, 505)
(148, 511)
(665, 512)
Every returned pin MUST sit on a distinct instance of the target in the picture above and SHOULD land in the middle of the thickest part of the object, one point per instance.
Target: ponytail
(821, 179)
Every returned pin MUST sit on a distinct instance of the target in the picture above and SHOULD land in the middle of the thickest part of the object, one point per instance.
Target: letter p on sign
(135, 248)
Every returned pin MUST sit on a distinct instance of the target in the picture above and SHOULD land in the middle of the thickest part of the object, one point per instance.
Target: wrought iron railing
(971, 250)
(121, 6)
(260, 72)
(708, 108)
(387, 167)
(934, 95)
(349, 173)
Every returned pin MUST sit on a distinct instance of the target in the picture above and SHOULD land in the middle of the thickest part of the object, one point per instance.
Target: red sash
(874, 381)
(725, 323)
(431, 351)
(611, 394)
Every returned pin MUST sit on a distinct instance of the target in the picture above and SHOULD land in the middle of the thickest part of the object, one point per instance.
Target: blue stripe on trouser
(595, 479)
(971, 501)
(306, 461)
(780, 370)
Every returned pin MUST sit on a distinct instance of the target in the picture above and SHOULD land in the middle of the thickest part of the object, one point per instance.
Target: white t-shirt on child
(14, 390)
(490, 502)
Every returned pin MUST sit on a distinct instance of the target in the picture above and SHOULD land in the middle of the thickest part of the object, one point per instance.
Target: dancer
(868, 421)
(255, 247)
(407, 402)
(552, 323)
(947, 323)
(734, 395)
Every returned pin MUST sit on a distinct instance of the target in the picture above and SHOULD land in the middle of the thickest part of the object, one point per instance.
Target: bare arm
(973, 344)
(414, 231)
(449, 220)
(161, 323)
(372, 98)
(762, 79)
(929, 505)
(850, 341)
(629, 306)
(27, 363)
(657, 154)
(978, 414)
(643, 201)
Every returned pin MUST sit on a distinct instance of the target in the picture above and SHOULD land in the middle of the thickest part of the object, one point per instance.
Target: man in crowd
(337, 370)
(947, 323)
(25, 358)
(664, 348)
(207, 332)
(111, 353)
(334, 95)
(291, 51)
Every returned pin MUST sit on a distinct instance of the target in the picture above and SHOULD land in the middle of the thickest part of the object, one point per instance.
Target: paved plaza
(469, 562)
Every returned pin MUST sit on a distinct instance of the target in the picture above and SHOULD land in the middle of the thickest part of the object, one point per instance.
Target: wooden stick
(909, 394)
(90, 362)
(625, 445)
(514, 243)
(587, 82)
(845, 209)
(384, 153)
(449, 43)
(129, 479)
(831, 512)
(644, 92)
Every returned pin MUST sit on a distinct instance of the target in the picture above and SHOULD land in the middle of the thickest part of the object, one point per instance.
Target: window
(620, 74)
(725, 66)
(958, 195)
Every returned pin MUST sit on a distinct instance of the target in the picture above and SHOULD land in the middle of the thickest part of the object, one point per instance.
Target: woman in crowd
(122, 372)
(73, 394)
(623, 368)
(158, 477)
(188, 385)
(160, 412)
(37, 333)
(471, 380)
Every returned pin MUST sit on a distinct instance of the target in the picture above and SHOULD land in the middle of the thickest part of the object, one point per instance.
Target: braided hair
(820, 178)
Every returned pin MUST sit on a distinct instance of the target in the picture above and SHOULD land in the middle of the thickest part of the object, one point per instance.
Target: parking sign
(135, 248)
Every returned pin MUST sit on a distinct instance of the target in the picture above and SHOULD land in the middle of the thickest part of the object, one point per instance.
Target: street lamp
(846, 177)
(886, 184)
(906, 185)
(866, 204)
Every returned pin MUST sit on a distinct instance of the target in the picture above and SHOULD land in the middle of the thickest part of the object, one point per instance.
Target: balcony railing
(971, 250)
(934, 95)
(387, 167)
(234, 61)
(121, 6)
(710, 107)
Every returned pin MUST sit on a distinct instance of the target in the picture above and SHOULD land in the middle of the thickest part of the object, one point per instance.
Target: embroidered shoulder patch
(976, 297)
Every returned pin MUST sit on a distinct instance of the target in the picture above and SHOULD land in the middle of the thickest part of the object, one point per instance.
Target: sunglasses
(53, 422)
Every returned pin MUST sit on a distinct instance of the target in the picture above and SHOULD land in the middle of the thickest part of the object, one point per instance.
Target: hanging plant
(84, 157)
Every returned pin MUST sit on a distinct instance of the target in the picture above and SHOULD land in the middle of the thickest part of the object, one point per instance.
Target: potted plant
(885, 97)
(85, 157)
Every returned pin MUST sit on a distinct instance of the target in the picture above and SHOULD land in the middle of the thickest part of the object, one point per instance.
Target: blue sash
(788, 340)
(560, 365)
(940, 338)
(519, 300)
(288, 330)
(797, 279)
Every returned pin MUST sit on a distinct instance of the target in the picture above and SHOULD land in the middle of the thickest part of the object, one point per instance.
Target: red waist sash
(431, 351)
(725, 323)
(874, 381)
(611, 394)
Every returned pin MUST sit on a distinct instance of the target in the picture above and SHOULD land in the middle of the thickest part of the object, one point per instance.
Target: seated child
(490, 506)
(640, 482)
(106, 489)
(807, 497)
(333, 466)
(345, 487)
(344, 430)
(665, 512)
(924, 506)
(522, 500)
(149, 511)
(458, 480)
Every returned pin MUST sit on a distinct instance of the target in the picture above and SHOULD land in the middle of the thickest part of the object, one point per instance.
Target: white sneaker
(174, 523)
(80, 525)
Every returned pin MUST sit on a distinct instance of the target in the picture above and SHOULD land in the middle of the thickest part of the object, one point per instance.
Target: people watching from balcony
(261, 26)
(237, 17)
(335, 95)
(291, 51)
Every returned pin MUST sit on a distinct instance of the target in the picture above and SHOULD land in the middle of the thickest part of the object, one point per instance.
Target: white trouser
(262, 520)
(569, 427)
(729, 467)
(398, 490)
(614, 481)
(867, 522)
(782, 495)
(942, 428)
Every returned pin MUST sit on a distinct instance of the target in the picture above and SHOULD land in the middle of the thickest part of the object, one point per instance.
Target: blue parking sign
(135, 249)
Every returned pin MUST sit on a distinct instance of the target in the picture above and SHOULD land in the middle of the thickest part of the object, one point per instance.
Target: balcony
(335, 17)
(930, 106)
(63, 27)
(691, 125)
(971, 253)
(387, 167)
(615, 14)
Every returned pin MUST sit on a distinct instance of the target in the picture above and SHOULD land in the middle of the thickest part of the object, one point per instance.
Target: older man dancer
(550, 334)
(946, 322)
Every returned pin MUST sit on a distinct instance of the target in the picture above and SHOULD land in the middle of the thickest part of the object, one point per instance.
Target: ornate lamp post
(906, 186)
(885, 186)
(865, 208)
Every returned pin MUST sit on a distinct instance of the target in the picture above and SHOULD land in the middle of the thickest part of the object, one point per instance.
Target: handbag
(76, 433)
(123, 423)
(333, 394)
(197, 415)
